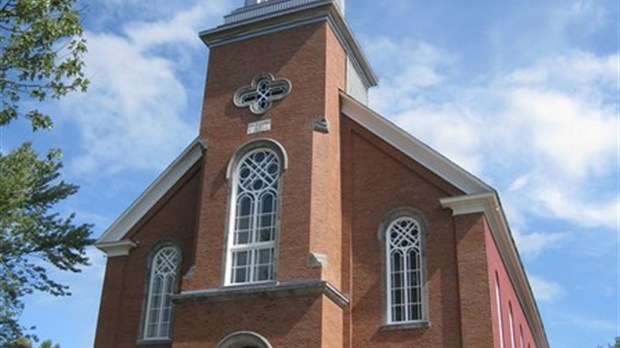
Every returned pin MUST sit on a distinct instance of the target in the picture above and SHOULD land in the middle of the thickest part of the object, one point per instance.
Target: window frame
(500, 318)
(152, 258)
(244, 339)
(423, 227)
(233, 170)
(511, 321)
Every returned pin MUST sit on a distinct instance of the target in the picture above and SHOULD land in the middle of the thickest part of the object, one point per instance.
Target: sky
(522, 93)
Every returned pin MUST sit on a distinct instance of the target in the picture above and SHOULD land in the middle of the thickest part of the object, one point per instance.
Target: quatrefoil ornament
(260, 95)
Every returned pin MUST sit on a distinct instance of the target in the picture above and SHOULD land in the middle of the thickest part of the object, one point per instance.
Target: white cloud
(545, 291)
(533, 244)
(134, 114)
(546, 133)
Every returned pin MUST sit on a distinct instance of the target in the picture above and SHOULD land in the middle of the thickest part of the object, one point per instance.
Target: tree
(24, 342)
(616, 344)
(32, 237)
(41, 50)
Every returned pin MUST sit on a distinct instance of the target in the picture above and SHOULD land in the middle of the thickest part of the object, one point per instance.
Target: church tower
(271, 179)
(300, 217)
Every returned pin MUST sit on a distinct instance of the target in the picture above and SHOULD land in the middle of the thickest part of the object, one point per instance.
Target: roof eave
(162, 184)
(412, 147)
(490, 205)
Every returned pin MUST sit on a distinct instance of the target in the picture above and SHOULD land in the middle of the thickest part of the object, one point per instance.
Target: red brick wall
(284, 321)
(298, 55)
(475, 306)
(496, 268)
(376, 180)
(172, 219)
(310, 216)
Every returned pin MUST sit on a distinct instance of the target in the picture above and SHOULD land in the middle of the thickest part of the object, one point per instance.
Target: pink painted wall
(508, 297)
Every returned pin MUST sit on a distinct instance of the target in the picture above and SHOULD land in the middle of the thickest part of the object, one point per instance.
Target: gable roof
(110, 239)
(478, 198)
(412, 147)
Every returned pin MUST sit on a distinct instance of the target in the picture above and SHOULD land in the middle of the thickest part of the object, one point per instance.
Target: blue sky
(522, 93)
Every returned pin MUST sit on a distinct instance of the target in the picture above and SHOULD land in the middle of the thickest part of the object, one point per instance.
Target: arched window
(405, 269)
(244, 339)
(498, 301)
(254, 217)
(162, 284)
(512, 326)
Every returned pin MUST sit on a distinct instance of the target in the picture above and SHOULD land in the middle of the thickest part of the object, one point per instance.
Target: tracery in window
(254, 213)
(162, 284)
(405, 271)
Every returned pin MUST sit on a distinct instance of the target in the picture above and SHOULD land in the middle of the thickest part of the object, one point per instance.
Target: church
(299, 217)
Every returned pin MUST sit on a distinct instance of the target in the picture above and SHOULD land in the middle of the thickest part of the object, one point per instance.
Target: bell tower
(267, 258)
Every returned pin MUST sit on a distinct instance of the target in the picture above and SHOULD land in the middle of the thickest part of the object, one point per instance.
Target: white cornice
(412, 147)
(115, 249)
(490, 206)
(267, 8)
(309, 13)
(152, 195)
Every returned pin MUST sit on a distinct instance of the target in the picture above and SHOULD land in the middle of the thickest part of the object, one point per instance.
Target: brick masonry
(337, 190)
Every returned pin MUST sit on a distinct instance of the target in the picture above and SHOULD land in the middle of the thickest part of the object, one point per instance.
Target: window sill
(406, 326)
(266, 283)
(153, 341)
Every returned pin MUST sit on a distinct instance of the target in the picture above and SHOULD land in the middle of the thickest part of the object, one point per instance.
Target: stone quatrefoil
(260, 95)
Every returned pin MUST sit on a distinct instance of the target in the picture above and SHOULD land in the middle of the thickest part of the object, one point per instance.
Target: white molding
(489, 204)
(312, 12)
(272, 289)
(252, 144)
(470, 204)
(152, 194)
(115, 249)
(412, 147)
(254, 10)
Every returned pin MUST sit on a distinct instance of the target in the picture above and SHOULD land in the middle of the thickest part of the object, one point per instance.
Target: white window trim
(512, 326)
(233, 173)
(244, 339)
(500, 322)
(422, 224)
(148, 307)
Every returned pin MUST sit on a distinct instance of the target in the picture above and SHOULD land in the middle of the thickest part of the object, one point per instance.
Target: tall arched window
(512, 326)
(498, 301)
(254, 217)
(162, 284)
(405, 271)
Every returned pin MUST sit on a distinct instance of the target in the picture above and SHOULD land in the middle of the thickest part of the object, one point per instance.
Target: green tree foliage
(31, 236)
(616, 344)
(42, 49)
(24, 342)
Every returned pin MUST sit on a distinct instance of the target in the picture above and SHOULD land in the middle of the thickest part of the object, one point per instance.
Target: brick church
(299, 217)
